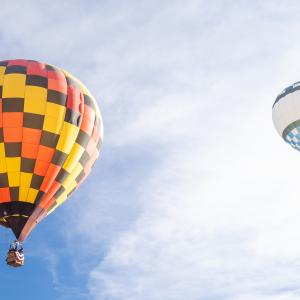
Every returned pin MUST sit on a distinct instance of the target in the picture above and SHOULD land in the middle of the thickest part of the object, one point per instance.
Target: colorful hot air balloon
(286, 115)
(50, 133)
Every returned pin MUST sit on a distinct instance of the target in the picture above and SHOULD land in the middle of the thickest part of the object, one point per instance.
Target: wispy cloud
(218, 208)
(195, 196)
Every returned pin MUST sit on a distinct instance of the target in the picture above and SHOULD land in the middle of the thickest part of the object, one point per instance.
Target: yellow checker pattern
(35, 100)
(73, 158)
(69, 182)
(13, 164)
(23, 192)
(67, 137)
(14, 179)
(2, 72)
(2, 150)
(14, 86)
(52, 125)
(2, 165)
(55, 110)
(25, 179)
(31, 196)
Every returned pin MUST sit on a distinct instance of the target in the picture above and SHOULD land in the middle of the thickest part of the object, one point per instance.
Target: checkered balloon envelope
(286, 115)
(50, 134)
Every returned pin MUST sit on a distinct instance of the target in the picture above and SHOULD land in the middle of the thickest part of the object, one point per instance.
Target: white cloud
(219, 209)
(196, 197)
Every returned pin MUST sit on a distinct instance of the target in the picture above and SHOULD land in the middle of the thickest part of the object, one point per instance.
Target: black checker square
(80, 176)
(59, 158)
(39, 197)
(3, 180)
(12, 104)
(51, 68)
(56, 97)
(84, 158)
(72, 82)
(1, 135)
(14, 193)
(88, 101)
(37, 80)
(52, 206)
(15, 69)
(35, 121)
(59, 192)
(73, 117)
(3, 63)
(27, 165)
(49, 139)
(36, 181)
(13, 149)
(82, 138)
(62, 175)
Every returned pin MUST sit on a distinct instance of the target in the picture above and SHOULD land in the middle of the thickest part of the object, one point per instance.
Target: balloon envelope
(50, 134)
(286, 115)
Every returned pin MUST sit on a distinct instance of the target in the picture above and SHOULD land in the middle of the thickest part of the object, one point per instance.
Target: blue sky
(194, 196)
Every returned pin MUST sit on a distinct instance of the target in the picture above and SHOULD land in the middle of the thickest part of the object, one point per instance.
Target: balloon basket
(15, 255)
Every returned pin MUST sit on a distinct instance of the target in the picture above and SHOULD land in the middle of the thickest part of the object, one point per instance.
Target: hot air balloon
(286, 115)
(50, 134)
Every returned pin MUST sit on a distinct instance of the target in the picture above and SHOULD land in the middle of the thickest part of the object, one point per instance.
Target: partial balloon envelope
(50, 134)
(286, 115)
